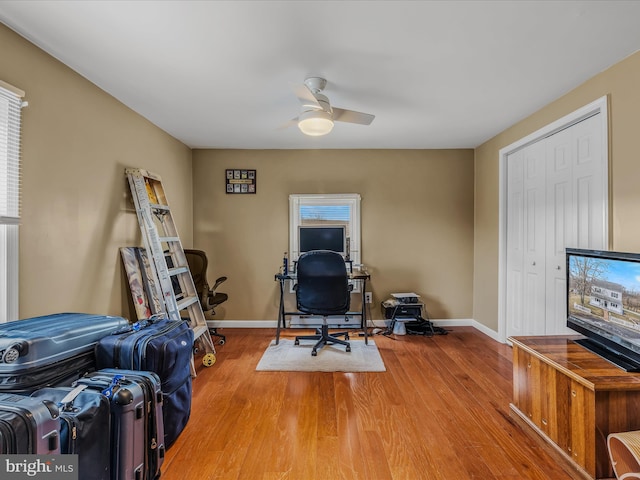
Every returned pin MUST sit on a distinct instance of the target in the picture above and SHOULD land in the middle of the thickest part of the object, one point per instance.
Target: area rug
(288, 357)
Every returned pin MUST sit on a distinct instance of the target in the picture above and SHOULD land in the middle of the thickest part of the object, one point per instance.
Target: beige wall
(417, 206)
(620, 83)
(76, 143)
(417, 222)
(419, 232)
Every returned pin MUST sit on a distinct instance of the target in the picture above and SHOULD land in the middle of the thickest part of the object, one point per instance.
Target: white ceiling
(437, 74)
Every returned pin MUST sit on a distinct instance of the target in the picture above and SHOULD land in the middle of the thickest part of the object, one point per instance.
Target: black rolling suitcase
(85, 428)
(136, 421)
(161, 346)
(28, 425)
(51, 350)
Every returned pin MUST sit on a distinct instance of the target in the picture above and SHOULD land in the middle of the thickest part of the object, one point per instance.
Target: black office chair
(323, 289)
(209, 297)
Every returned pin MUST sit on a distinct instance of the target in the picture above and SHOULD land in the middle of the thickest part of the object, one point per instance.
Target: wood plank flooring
(440, 411)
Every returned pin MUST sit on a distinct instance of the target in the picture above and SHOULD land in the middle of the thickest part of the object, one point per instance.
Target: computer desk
(358, 275)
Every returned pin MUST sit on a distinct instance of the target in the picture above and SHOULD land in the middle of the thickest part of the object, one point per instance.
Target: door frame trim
(597, 106)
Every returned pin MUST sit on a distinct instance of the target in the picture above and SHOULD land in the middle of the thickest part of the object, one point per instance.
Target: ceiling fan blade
(306, 97)
(290, 123)
(351, 116)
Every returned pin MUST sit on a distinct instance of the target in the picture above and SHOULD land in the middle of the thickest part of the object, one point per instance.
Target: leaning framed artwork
(239, 180)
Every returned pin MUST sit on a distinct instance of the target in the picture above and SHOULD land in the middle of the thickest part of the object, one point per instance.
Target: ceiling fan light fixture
(315, 123)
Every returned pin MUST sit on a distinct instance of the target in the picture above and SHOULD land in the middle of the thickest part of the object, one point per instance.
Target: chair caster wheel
(209, 359)
(314, 353)
(296, 342)
(348, 349)
(346, 337)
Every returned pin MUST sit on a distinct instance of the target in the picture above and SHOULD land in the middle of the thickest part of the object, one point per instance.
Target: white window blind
(10, 105)
(325, 213)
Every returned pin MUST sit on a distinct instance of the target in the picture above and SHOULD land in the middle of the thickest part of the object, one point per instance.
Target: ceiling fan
(317, 115)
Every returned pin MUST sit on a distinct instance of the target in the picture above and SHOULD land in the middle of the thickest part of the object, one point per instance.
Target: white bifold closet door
(556, 189)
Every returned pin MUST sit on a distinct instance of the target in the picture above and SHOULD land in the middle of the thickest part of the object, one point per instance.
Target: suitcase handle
(115, 382)
(140, 325)
(132, 328)
(66, 404)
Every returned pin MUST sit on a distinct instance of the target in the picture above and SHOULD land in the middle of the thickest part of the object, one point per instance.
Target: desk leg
(280, 312)
(363, 316)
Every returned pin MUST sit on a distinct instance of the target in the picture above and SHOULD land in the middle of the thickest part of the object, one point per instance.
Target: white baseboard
(461, 322)
(487, 331)
(241, 323)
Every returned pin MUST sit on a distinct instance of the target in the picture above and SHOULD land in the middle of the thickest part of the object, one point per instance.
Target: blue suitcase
(51, 350)
(28, 425)
(85, 428)
(128, 423)
(162, 346)
(150, 383)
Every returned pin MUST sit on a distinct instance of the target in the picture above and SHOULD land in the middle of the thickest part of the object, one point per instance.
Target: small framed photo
(240, 181)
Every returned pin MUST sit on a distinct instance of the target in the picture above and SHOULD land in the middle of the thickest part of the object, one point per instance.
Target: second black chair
(209, 297)
(323, 289)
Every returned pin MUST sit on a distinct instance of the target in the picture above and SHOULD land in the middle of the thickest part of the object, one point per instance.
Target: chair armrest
(219, 280)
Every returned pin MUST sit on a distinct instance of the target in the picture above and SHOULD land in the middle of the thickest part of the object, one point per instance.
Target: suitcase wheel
(12, 353)
(209, 359)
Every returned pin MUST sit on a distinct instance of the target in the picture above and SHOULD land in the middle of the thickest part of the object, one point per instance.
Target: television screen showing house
(604, 296)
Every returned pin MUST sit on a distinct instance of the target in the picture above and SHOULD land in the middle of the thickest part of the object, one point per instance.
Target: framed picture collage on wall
(240, 181)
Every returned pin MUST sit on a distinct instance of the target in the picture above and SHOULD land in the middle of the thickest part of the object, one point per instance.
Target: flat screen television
(322, 237)
(603, 304)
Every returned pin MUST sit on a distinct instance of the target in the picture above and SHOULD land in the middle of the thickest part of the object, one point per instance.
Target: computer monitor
(322, 237)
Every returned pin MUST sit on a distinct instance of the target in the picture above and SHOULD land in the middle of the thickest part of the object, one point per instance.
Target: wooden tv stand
(573, 399)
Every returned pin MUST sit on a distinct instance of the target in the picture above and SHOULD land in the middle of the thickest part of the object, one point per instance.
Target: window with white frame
(10, 105)
(323, 209)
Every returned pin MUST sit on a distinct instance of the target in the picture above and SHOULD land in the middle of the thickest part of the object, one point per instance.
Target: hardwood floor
(440, 411)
